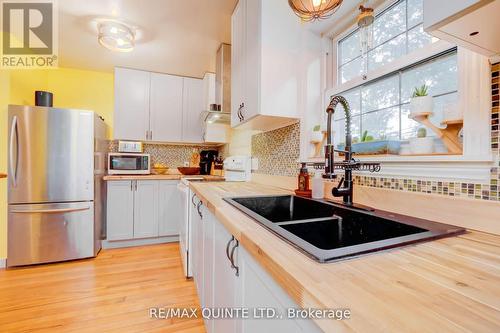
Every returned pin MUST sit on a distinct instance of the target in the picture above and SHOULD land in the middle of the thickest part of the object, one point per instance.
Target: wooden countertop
(446, 285)
(159, 177)
(3, 175)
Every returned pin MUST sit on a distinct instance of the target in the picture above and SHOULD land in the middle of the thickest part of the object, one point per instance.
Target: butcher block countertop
(159, 177)
(446, 285)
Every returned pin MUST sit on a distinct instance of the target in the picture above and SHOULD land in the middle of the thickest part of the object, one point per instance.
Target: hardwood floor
(111, 293)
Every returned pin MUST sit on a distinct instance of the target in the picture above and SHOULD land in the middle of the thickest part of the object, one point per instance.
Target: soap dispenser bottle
(303, 183)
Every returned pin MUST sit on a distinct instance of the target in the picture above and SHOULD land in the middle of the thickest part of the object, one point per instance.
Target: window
(397, 31)
(381, 107)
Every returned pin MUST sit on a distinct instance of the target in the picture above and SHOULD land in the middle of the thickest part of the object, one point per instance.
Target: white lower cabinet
(146, 209)
(228, 277)
(120, 210)
(139, 209)
(169, 208)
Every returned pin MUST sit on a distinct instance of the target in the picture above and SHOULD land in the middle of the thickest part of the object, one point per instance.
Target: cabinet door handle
(241, 112)
(151, 135)
(135, 185)
(227, 250)
(236, 268)
(192, 199)
(131, 185)
(198, 209)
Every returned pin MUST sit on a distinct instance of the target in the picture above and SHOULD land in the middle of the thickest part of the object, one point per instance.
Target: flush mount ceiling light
(310, 10)
(116, 36)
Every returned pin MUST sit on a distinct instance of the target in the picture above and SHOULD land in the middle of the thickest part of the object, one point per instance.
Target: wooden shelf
(449, 134)
(318, 146)
(3, 175)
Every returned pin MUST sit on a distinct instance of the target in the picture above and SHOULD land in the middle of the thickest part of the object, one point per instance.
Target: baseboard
(138, 242)
(3, 263)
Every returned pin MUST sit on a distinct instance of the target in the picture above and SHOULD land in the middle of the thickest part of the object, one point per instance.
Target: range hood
(222, 88)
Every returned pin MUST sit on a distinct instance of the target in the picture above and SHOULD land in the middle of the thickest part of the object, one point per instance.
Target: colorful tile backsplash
(278, 152)
(172, 156)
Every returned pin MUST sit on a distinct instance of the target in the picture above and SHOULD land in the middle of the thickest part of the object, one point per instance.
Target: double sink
(327, 232)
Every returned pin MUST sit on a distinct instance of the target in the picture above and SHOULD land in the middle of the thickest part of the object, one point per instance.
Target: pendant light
(310, 10)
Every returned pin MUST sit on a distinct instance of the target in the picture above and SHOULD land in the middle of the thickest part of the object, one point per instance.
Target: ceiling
(177, 37)
(173, 36)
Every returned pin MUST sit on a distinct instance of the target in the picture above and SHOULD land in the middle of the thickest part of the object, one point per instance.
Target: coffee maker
(206, 159)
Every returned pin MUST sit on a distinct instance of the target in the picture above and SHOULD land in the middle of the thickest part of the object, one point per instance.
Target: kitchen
(251, 166)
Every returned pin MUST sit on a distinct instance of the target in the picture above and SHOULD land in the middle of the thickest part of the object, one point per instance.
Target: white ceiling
(174, 36)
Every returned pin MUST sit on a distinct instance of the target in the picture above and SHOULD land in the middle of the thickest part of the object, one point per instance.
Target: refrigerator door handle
(45, 211)
(13, 171)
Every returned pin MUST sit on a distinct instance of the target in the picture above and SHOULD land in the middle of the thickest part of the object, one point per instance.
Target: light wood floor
(111, 293)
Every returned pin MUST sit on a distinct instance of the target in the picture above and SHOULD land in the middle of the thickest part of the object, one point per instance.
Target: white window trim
(474, 100)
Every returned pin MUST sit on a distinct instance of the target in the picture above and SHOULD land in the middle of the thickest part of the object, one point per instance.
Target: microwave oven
(129, 164)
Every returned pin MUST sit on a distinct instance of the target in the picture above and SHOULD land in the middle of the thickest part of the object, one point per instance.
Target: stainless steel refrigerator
(56, 162)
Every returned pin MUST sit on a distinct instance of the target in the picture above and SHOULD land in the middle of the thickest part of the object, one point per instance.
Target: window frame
(398, 75)
(473, 93)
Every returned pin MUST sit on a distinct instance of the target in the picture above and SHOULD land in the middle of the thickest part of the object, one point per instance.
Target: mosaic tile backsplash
(278, 152)
(172, 156)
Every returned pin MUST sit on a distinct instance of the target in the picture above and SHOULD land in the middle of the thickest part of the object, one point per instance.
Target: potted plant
(422, 144)
(421, 102)
(368, 145)
(316, 135)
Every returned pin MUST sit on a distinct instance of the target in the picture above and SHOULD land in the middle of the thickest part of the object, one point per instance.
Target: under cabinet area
(145, 210)
(227, 276)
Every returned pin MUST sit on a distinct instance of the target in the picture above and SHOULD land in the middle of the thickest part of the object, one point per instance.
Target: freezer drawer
(41, 233)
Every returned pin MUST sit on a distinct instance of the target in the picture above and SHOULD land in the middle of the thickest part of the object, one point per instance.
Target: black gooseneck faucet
(347, 190)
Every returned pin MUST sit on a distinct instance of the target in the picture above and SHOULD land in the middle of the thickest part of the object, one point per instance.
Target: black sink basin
(327, 232)
(286, 208)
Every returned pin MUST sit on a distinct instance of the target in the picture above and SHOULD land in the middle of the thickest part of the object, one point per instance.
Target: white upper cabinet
(157, 107)
(208, 90)
(273, 65)
(473, 24)
(131, 116)
(166, 107)
(237, 66)
(192, 108)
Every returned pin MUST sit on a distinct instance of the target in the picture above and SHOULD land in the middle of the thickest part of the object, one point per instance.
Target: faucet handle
(339, 185)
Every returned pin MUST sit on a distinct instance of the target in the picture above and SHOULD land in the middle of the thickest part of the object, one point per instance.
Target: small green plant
(421, 133)
(420, 91)
(365, 137)
(316, 128)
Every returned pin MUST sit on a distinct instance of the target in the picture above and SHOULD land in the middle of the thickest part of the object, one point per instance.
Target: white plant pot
(422, 145)
(420, 105)
(316, 136)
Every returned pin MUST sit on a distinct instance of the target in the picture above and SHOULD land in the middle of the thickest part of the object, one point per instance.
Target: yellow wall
(72, 88)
